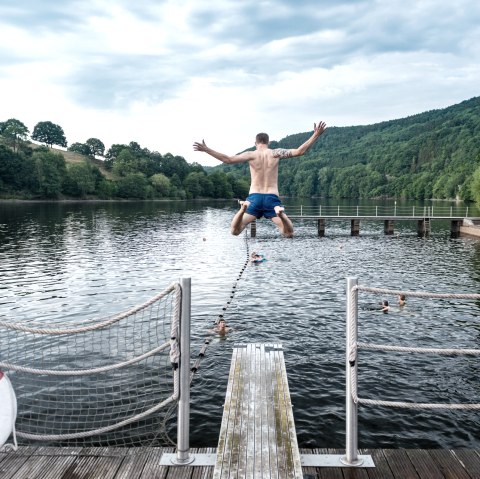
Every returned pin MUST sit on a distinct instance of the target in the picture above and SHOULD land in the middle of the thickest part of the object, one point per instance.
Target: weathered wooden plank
(96, 463)
(470, 460)
(48, 463)
(400, 464)
(423, 463)
(329, 472)
(381, 469)
(256, 353)
(292, 458)
(153, 469)
(224, 443)
(12, 461)
(272, 449)
(250, 417)
(448, 463)
(204, 472)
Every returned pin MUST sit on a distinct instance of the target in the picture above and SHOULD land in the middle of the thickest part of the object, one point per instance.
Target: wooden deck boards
(257, 436)
(122, 463)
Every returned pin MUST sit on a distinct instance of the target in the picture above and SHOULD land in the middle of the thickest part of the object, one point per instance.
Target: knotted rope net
(99, 382)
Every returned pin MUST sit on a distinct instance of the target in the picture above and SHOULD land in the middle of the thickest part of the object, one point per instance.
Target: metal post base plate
(170, 459)
(334, 460)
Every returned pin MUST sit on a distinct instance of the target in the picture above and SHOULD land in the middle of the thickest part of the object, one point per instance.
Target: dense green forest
(435, 154)
(28, 171)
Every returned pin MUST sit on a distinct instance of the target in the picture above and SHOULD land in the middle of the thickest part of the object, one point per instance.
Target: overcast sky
(168, 73)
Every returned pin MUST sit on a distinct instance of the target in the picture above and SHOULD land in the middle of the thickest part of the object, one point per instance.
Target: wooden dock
(423, 223)
(257, 435)
(144, 463)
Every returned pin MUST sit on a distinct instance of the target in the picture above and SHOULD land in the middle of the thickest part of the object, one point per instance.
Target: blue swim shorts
(263, 205)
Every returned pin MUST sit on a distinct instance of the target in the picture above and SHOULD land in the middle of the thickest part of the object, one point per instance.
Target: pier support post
(423, 228)
(253, 229)
(388, 227)
(355, 227)
(321, 227)
(183, 424)
(455, 228)
(351, 448)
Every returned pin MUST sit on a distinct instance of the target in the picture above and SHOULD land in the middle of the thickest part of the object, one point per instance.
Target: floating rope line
(203, 348)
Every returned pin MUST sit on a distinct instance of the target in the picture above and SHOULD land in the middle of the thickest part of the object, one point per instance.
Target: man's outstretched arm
(243, 157)
(301, 150)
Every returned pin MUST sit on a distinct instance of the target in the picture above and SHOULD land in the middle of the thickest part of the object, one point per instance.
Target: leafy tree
(161, 184)
(81, 148)
(192, 184)
(16, 170)
(81, 179)
(49, 133)
(96, 146)
(14, 132)
(50, 171)
(221, 185)
(133, 185)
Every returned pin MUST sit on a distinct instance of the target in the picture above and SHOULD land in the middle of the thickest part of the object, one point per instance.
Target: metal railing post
(183, 425)
(351, 449)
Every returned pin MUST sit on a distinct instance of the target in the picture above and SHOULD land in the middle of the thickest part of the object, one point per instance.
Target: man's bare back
(264, 180)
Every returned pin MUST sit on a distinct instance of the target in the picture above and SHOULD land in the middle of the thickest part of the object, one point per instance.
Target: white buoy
(8, 409)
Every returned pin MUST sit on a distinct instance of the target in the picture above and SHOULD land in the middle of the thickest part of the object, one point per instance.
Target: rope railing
(32, 343)
(353, 345)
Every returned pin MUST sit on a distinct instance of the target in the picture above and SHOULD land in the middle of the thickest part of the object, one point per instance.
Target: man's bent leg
(241, 219)
(283, 222)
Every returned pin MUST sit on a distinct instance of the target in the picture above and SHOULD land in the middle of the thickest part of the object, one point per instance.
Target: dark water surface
(89, 260)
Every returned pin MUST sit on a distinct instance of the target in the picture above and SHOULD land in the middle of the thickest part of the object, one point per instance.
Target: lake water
(87, 260)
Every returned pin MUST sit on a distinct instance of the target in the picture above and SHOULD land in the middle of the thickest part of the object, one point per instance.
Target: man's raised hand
(200, 146)
(318, 130)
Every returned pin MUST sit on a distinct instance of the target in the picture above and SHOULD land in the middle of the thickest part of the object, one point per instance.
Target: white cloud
(166, 74)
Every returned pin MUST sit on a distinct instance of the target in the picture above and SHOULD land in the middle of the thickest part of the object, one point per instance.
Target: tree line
(125, 171)
(435, 154)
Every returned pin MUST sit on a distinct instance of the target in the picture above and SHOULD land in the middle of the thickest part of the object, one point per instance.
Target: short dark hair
(262, 138)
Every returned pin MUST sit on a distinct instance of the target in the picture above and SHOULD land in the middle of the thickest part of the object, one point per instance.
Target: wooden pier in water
(423, 223)
(423, 216)
(257, 441)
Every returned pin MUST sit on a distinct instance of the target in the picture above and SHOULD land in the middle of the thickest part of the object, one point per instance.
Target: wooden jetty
(257, 441)
(257, 436)
(144, 463)
(423, 223)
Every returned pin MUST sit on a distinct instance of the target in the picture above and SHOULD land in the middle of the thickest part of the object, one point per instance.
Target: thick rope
(174, 344)
(418, 294)
(384, 347)
(83, 372)
(413, 405)
(82, 329)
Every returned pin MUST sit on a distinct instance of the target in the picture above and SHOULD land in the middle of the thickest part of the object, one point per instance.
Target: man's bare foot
(279, 210)
(244, 204)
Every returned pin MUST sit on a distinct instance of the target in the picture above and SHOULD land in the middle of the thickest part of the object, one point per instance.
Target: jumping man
(263, 197)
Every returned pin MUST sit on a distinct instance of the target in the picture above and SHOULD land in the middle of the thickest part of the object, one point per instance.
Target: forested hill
(428, 155)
